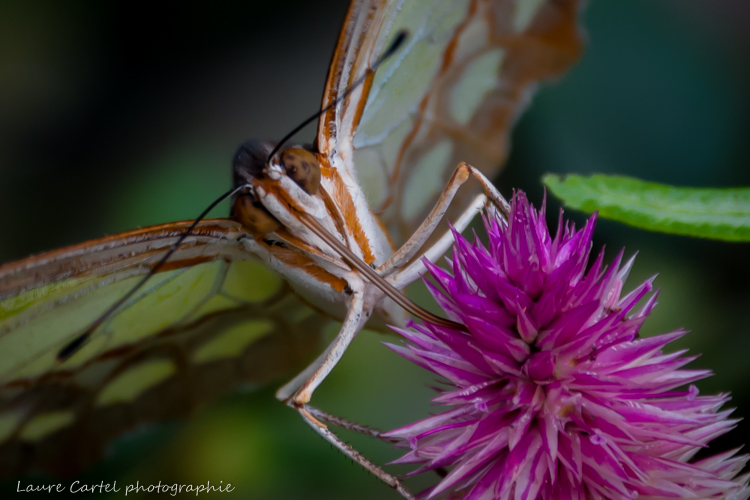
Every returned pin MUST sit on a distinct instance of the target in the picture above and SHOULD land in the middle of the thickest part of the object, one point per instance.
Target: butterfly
(246, 298)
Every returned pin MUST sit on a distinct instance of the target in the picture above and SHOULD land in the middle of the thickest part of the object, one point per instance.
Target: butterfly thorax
(298, 181)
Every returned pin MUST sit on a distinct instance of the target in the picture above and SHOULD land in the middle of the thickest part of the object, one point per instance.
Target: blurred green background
(115, 115)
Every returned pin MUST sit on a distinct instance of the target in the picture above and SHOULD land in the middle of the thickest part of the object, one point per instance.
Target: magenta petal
(541, 365)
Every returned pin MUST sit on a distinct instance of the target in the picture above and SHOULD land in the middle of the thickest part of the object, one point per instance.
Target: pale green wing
(213, 320)
(451, 94)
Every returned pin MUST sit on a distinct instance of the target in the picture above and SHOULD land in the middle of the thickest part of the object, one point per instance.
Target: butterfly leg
(413, 271)
(298, 392)
(300, 388)
(365, 430)
(322, 429)
(409, 249)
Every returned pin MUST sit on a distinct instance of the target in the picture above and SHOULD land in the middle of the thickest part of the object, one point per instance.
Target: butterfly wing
(451, 94)
(213, 319)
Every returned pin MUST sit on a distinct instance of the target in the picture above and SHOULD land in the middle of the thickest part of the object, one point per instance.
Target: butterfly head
(251, 166)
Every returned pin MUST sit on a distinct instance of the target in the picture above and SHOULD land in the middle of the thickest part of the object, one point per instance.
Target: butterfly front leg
(298, 392)
(409, 249)
(404, 276)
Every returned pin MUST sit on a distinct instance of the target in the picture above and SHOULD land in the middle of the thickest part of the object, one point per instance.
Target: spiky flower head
(554, 394)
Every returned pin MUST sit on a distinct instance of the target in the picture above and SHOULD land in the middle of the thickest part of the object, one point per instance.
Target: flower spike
(553, 393)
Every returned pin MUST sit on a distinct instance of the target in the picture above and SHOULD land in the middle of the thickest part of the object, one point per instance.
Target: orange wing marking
(348, 210)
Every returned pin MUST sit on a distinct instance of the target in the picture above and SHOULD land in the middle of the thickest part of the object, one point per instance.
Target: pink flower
(553, 394)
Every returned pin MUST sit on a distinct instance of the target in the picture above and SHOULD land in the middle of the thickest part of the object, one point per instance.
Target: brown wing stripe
(109, 254)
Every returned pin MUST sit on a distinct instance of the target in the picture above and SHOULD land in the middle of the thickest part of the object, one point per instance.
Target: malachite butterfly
(242, 301)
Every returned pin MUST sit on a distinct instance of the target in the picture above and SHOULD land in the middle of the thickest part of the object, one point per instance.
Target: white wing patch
(128, 385)
(474, 84)
(400, 84)
(464, 76)
(45, 424)
(393, 103)
(525, 12)
(231, 343)
(8, 423)
(426, 182)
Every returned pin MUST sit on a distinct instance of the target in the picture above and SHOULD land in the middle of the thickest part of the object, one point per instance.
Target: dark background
(117, 115)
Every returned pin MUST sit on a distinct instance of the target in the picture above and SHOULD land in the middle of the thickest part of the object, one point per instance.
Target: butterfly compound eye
(254, 216)
(302, 166)
(249, 160)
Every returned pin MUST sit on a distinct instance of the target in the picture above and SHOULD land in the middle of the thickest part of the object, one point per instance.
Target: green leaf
(721, 214)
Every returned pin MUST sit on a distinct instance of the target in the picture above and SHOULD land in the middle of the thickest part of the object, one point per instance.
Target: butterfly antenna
(395, 45)
(74, 345)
